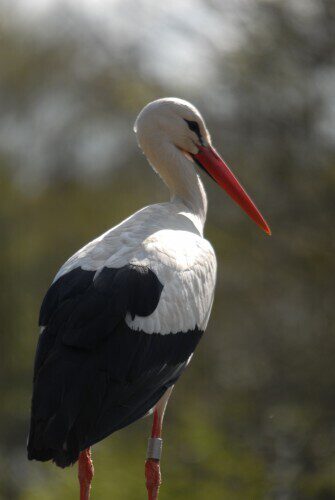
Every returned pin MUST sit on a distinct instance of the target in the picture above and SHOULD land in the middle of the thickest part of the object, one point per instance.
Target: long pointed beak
(209, 159)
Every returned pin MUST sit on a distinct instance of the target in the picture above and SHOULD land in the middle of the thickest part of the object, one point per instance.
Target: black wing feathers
(93, 374)
(72, 284)
(135, 289)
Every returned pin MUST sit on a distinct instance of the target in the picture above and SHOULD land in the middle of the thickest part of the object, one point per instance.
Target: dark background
(254, 416)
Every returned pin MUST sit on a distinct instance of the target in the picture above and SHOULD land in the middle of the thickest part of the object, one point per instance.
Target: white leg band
(154, 448)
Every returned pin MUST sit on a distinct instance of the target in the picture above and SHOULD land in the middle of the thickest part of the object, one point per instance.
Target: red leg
(85, 473)
(153, 475)
(152, 465)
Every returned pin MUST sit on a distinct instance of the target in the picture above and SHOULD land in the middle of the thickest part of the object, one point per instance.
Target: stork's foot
(153, 477)
(85, 473)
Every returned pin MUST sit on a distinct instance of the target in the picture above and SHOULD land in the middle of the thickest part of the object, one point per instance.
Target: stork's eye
(194, 126)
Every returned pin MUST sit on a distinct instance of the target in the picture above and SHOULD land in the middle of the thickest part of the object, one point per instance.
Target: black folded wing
(93, 374)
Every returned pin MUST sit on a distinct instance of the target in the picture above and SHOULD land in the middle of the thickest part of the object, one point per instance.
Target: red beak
(209, 159)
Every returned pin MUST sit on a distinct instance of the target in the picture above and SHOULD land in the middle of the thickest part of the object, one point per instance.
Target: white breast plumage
(183, 261)
(185, 264)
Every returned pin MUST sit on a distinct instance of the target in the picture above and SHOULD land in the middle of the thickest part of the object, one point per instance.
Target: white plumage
(164, 238)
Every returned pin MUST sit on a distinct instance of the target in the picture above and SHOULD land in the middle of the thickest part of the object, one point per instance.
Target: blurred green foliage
(253, 417)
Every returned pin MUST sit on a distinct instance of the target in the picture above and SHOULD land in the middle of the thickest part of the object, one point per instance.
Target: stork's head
(176, 122)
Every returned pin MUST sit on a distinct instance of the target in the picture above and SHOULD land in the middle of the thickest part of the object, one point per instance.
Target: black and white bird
(124, 314)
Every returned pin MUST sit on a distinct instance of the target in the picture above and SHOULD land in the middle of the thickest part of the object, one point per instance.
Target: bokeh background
(254, 416)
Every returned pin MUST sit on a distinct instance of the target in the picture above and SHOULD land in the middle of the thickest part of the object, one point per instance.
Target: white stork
(124, 314)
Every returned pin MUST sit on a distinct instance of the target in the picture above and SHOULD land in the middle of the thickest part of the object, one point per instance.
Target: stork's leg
(153, 475)
(85, 473)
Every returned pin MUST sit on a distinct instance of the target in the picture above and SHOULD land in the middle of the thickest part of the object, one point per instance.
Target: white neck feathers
(180, 176)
